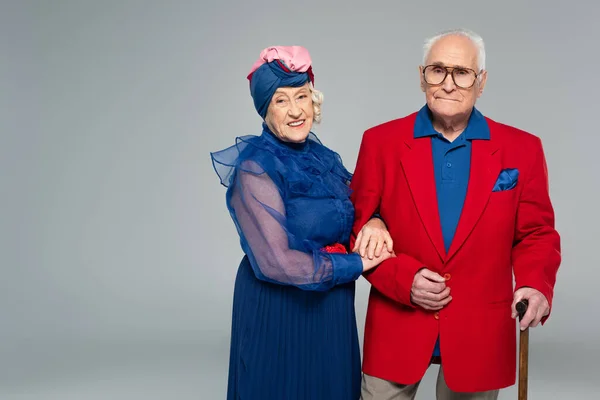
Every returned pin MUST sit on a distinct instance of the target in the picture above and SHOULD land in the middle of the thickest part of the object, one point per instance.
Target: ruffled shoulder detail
(226, 161)
(309, 168)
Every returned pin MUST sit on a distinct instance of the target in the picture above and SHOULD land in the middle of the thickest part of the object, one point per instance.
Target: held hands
(537, 309)
(374, 244)
(372, 238)
(429, 290)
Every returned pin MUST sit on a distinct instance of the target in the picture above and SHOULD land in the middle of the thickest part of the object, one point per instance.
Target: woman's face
(290, 113)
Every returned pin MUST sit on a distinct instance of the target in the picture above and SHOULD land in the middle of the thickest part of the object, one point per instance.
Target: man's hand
(429, 290)
(537, 309)
(372, 238)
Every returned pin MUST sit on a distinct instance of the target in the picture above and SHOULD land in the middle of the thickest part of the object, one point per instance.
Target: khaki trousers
(379, 389)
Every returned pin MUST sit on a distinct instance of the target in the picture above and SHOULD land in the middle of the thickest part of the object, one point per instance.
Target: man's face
(446, 100)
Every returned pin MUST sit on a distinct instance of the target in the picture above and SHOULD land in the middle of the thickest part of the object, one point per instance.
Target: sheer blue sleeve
(259, 213)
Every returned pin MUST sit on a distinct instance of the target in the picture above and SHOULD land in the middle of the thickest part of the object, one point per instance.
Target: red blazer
(498, 233)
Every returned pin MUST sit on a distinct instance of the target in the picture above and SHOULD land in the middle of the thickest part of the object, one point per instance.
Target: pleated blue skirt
(290, 344)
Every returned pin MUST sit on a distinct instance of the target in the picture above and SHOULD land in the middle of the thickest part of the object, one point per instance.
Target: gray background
(118, 255)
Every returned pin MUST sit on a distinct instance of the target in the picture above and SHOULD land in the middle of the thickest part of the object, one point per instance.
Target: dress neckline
(271, 138)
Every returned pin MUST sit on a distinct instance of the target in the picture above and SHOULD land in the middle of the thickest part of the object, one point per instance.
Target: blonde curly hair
(317, 99)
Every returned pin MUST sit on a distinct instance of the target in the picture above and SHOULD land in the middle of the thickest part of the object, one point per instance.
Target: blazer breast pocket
(507, 180)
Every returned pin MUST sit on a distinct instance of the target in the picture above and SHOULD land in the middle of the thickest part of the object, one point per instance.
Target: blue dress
(294, 333)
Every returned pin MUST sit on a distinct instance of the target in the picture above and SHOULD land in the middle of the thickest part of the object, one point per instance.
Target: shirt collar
(477, 128)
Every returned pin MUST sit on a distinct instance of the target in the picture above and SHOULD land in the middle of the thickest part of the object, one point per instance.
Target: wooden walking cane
(521, 307)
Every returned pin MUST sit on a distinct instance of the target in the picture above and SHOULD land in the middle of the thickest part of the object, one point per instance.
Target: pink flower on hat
(295, 58)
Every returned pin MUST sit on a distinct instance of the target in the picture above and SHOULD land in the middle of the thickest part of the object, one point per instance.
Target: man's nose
(448, 85)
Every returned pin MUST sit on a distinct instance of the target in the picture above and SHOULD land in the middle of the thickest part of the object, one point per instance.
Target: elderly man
(466, 202)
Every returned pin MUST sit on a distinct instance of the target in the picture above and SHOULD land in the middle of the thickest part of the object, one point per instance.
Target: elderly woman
(294, 332)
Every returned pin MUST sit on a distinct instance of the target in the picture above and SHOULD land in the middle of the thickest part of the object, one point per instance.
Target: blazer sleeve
(394, 277)
(536, 253)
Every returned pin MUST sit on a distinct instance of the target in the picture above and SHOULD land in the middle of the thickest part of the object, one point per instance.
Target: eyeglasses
(464, 78)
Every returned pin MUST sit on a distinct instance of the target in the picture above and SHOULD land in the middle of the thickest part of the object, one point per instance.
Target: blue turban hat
(278, 67)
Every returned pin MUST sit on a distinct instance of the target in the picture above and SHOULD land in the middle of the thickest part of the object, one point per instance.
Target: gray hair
(474, 37)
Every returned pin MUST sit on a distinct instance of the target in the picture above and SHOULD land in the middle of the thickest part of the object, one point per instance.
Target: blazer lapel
(485, 167)
(417, 164)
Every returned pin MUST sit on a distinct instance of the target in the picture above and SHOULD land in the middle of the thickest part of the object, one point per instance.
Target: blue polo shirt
(451, 165)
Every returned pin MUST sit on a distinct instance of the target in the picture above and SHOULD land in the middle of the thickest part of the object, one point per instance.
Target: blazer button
(436, 315)
(447, 277)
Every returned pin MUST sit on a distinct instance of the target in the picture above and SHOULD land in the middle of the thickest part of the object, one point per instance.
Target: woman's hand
(370, 263)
